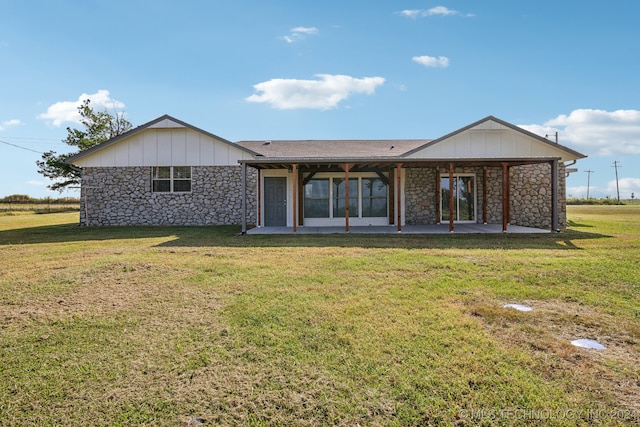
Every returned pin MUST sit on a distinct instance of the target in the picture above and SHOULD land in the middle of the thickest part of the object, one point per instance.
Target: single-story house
(168, 172)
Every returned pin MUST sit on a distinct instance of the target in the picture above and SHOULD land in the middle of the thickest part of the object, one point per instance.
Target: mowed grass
(189, 325)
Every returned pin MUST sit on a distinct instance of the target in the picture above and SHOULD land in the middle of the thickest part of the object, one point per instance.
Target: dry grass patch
(611, 376)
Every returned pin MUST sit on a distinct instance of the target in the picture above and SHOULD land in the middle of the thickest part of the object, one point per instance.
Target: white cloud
(322, 94)
(431, 61)
(580, 191)
(67, 111)
(9, 123)
(596, 132)
(411, 13)
(36, 183)
(299, 33)
(438, 10)
(627, 186)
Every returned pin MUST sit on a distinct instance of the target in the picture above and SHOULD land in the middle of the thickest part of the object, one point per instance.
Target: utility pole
(615, 165)
(589, 172)
(547, 137)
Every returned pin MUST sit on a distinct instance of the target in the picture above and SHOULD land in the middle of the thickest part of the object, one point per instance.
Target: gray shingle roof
(332, 148)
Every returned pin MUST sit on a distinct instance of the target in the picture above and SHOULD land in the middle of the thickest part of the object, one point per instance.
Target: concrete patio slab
(407, 229)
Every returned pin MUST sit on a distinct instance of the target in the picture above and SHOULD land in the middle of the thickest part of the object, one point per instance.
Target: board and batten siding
(166, 147)
(489, 140)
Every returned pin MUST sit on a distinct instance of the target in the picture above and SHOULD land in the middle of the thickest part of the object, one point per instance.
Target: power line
(30, 138)
(22, 148)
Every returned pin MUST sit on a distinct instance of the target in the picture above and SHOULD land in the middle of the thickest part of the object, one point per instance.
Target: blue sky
(326, 70)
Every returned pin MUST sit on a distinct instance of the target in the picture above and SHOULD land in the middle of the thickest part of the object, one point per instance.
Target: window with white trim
(171, 179)
(326, 197)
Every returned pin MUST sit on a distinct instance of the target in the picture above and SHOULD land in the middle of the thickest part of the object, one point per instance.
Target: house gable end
(165, 141)
(493, 138)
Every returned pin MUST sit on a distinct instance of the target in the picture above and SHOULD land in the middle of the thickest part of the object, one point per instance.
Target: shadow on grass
(229, 236)
(571, 223)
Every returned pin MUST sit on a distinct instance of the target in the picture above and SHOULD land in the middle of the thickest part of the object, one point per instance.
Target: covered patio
(300, 170)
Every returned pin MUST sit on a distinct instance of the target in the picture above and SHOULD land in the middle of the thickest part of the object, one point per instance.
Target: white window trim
(171, 180)
(475, 199)
(353, 220)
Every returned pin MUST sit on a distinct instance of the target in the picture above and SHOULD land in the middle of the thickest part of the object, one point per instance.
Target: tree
(99, 126)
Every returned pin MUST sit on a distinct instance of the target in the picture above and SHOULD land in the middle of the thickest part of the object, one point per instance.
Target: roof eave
(398, 160)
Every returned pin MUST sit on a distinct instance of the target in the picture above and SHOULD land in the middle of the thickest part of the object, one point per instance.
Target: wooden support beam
(347, 166)
(438, 197)
(451, 197)
(508, 194)
(382, 177)
(399, 195)
(306, 180)
(392, 193)
(484, 194)
(300, 197)
(294, 170)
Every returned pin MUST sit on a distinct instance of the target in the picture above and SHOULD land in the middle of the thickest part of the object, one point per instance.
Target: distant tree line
(591, 201)
(25, 199)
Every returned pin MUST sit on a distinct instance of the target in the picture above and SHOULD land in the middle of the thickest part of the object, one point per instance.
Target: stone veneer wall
(530, 195)
(123, 196)
(420, 196)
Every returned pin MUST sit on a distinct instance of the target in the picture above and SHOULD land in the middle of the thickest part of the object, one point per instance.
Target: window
(171, 179)
(326, 198)
(374, 198)
(316, 198)
(340, 198)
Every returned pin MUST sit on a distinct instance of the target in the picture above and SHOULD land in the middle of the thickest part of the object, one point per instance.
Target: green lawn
(163, 326)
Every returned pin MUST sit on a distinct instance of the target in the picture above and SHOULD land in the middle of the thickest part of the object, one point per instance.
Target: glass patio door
(464, 198)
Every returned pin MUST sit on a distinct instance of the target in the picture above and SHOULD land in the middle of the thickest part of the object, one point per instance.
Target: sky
(347, 69)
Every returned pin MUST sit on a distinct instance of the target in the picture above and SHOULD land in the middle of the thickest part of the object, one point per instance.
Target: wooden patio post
(505, 196)
(346, 196)
(392, 193)
(438, 196)
(484, 194)
(300, 197)
(508, 195)
(399, 195)
(451, 199)
(294, 170)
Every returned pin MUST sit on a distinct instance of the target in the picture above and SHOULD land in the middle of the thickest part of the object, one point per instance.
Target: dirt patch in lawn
(104, 291)
(612, 375)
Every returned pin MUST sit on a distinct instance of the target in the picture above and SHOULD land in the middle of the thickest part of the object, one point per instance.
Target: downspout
(554, 194)
(244, 197)
(568, 171)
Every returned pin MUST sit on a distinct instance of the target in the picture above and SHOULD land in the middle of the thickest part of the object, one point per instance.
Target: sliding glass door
(464, 198)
